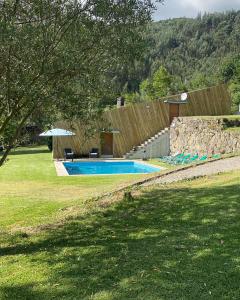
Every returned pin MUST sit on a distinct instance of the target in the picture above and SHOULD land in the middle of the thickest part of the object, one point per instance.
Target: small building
(129, 127)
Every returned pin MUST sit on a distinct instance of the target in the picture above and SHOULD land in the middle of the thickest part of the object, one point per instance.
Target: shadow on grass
(24, 292)
(165, 244)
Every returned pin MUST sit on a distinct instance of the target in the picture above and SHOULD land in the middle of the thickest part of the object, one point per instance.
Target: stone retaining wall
(203, 136)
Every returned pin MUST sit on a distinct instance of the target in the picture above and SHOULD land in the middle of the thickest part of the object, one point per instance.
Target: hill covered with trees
(194, 53)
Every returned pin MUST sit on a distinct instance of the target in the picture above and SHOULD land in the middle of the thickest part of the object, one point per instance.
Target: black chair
(68, 154)
(94, 153)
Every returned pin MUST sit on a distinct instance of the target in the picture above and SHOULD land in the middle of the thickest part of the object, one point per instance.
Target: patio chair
(216, 156)
(94, 153)
(175, 159)
(170, 159)
(193, 158)
(182, 160)
(68, 154)
(203, 158)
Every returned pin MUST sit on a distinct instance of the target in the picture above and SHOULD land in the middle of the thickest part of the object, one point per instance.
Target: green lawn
(31, 193)
(233, 129)
(180, 241)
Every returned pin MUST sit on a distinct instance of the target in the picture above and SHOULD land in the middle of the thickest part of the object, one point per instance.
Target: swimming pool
(108, 167)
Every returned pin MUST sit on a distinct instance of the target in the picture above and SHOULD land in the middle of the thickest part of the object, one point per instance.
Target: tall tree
(161, 82)
(230, 73)
(157, 86)
(57, 54)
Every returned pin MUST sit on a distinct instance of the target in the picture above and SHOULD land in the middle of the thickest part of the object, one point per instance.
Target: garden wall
(207, 135)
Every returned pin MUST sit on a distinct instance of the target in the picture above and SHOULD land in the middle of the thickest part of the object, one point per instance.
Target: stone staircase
(156, 146)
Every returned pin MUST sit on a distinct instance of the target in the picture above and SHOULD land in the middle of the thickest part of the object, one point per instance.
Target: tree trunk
(16, 135)
(5, 155)
(9, 118)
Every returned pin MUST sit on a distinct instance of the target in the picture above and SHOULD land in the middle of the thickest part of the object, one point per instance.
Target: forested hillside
(189, 46)
(193, 51)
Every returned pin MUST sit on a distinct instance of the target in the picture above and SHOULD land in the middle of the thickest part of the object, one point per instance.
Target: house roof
(174, 101)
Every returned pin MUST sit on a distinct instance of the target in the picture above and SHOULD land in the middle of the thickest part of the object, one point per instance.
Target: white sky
(190, 8)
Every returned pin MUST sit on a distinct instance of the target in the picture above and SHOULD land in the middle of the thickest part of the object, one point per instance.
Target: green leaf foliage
(59, 57)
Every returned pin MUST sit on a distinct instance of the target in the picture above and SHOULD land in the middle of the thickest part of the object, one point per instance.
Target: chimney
(120, 101)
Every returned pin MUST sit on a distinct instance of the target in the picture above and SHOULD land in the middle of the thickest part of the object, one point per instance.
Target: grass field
(180, 241)
(31, 193)
(233, 129)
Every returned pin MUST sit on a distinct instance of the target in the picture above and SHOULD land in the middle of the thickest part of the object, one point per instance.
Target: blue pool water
(108, 167)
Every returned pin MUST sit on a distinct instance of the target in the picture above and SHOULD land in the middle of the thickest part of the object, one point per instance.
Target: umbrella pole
(57, 147)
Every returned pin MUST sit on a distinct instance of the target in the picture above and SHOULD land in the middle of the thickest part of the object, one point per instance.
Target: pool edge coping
(60, 169)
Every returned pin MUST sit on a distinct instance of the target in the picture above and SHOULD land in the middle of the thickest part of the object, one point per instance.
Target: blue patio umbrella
(55, 132)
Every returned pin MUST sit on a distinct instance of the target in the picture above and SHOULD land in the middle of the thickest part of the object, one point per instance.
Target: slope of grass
(233, 129)
(175, 242)
(229, 117)
(31, 193)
